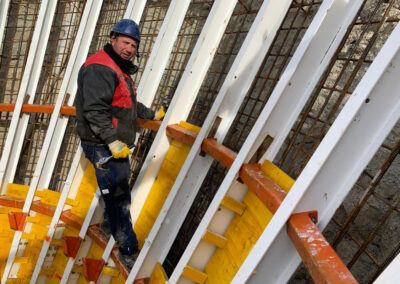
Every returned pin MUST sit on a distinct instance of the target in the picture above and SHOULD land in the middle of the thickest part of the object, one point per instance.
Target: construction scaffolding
(302, 88)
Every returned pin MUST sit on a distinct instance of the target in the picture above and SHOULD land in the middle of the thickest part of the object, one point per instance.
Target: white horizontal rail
(391, 274)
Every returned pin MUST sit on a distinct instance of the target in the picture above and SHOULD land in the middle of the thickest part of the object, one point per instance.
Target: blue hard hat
(127, 27)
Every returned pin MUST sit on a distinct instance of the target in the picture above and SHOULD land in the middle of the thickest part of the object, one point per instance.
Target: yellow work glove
(160, 113)
(119, 149)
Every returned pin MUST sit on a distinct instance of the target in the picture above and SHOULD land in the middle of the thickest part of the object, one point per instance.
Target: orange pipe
(35, 108)
(324, 265)
(149, 124)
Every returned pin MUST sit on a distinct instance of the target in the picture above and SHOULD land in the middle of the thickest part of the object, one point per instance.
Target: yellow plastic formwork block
(244, 231)
(160, 189)
(6, 236)
(17, 190)
(49, 197)
(85, 193)
(60, 260)
(282, 179)
(158, 276)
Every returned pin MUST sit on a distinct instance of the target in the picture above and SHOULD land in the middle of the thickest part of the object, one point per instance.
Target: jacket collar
(126, 65)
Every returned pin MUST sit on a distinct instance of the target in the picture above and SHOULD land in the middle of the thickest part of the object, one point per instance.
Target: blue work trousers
(112, 179)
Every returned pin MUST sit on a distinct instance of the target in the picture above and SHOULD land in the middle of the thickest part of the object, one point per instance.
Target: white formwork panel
(320, 41)
(360, 129)
(161, 51)
(15, 136)
(58, 124)
(4, 4)
(30, 78)
(183, 99)
(225, 106)
(391, 274)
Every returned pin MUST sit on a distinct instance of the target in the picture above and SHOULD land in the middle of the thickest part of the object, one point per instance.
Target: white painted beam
(4, 4)
(15, 136)
(360, 129)
(134, 10)
(391, 274)
(30, 78)
(161, 51)
(56, 217)
(183, 99)
(225, 106)
(310, 53)
(58, 124)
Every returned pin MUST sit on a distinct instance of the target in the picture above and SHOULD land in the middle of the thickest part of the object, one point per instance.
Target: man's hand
(119, 149)
(160, 113)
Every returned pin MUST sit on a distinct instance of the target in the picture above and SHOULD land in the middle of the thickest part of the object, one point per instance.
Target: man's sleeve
(98, 90)
(144, 112)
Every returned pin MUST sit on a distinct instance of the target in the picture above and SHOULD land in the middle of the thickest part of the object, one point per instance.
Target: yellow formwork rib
(159, 191)
(244, 231)
(158, 276)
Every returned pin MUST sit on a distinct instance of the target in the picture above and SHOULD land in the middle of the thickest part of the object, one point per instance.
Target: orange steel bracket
(149, 124)
(92, 268)
(218, 151)
(179, 133)
(71, 245)
(17, 220)
(323, 263)
(266, 190)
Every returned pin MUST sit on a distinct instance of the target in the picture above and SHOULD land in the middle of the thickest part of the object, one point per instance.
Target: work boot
(127, 260)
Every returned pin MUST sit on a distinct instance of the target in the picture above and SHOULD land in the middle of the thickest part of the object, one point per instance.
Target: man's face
(124, 46)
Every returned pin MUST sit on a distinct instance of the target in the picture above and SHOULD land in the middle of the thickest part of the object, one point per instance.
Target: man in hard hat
(106, 111)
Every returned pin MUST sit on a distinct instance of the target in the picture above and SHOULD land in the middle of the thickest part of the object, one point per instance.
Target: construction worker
(106, 111)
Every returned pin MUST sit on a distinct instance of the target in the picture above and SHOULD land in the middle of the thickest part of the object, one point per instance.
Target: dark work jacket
(106, 106)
